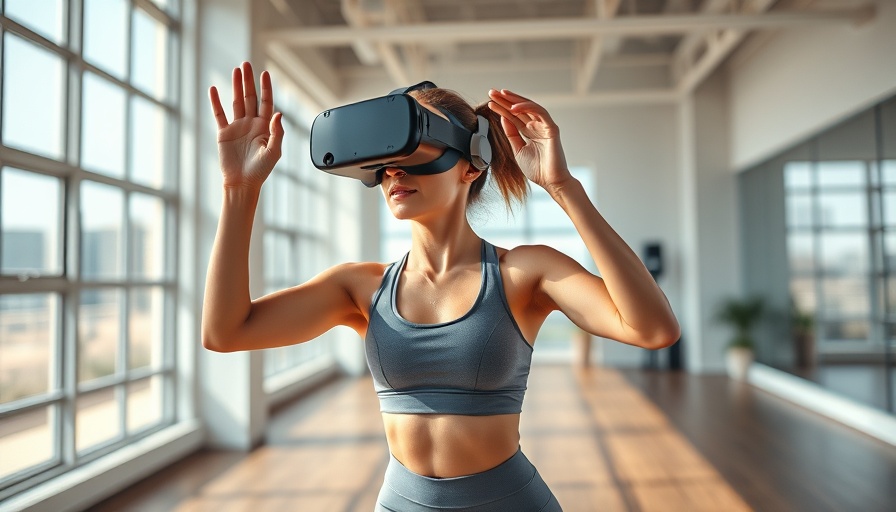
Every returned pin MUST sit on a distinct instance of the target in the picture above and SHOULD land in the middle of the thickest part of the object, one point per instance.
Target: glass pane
(29, 328)
(888, 169)
(890, 251)
(42, 16)
(145, 403)
(146, 327)
(802, 292)
(278, 258)
(890, 208)
(26, 440)
(844, 253)
(838, 174)
(852, 330)
(799, 210)
(846, 209)
(801, 253)
(33, 103)
(149, 55)
(101, 231)
(797, 175)
(545, 213)
(106, 35)
(149, 132)
(103, 137)
(280, 209)
(845, 296)
(99, 327)
(97, 419)
(32, 234)
(891, 295)
(147, 237)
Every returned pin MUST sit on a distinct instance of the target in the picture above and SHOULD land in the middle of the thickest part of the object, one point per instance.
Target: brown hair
(511, 182)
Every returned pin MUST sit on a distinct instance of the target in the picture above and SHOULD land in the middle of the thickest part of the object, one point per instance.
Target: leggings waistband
(499, 482)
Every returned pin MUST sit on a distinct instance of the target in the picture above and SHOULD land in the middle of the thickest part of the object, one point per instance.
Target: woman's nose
(395, 172)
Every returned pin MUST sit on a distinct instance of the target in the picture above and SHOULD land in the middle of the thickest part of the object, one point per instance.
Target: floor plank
(603, 439)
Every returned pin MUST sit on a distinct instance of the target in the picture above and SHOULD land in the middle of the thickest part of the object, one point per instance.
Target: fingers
(519, 106)
(250, 97)
(267, 96)
(239, 107)
(506, 115)
(513, 135)
(217, 109)
(275, 141)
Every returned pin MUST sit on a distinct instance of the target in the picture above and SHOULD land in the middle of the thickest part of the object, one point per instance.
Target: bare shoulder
(533, 260)
(356, 274)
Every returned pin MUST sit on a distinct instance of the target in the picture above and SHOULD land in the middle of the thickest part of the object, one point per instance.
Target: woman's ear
(471, 174)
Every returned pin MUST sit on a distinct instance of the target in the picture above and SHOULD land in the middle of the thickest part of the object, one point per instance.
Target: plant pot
(738, 361)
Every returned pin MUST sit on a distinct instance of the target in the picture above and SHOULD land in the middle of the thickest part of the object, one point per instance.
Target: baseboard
(804, 393)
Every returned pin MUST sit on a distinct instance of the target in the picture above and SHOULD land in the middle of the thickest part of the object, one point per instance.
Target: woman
(449, 329)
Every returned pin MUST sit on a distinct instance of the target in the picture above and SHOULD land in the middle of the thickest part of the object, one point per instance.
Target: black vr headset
(362, 139)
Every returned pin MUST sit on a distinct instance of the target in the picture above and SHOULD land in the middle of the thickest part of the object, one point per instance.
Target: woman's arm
(625, 304)
(248, 148)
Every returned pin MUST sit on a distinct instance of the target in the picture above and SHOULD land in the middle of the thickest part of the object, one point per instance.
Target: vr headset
(362, 139)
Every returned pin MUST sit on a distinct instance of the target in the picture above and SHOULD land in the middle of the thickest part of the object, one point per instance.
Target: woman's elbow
(664, 338)
(218, 343)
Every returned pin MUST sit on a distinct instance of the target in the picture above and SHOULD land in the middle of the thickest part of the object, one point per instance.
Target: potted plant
(741, 315)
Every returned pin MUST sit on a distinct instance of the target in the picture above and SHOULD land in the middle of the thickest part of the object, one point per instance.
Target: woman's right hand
(249, 146)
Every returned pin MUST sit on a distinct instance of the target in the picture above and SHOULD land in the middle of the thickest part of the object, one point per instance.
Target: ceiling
(597, 51)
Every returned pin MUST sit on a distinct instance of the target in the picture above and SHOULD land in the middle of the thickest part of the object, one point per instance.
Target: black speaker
(653, 258)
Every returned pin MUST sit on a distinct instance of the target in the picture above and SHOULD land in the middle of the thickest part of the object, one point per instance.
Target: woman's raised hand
(249, 146)
(534, 136)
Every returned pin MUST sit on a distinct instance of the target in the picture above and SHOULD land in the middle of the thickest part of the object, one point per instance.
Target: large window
(296, 225)
(539, 221)
(88, 124)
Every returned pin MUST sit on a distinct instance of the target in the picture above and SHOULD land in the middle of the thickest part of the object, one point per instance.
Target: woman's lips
(400, 192)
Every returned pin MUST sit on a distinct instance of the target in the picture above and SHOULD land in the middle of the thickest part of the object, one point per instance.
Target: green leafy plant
(741, 315)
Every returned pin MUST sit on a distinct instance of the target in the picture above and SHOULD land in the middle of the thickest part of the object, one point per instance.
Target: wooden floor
(604, 440)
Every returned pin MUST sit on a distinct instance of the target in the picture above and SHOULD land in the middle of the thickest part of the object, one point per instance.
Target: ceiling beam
(315, 78)
(587, 69)
(564, 28)
(611, 98)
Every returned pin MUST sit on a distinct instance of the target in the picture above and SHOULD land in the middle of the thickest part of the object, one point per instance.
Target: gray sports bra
(477, 364)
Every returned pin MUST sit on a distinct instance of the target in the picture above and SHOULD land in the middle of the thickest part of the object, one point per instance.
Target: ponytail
(509, 178)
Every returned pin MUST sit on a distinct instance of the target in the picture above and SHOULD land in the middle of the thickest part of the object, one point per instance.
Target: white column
(231, 393)
(710, 227)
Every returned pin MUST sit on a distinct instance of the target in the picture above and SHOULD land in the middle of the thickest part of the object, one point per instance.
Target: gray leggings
(512, 485)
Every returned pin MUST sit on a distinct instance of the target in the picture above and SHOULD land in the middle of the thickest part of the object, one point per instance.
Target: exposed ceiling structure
(324, 43)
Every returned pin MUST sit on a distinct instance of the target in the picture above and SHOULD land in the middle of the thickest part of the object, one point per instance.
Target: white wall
(634, 152)
(806, 79)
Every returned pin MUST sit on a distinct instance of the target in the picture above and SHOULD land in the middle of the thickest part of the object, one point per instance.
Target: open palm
(250, 145)
(534, 137)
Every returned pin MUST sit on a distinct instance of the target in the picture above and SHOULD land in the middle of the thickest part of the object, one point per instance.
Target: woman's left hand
(534, 136)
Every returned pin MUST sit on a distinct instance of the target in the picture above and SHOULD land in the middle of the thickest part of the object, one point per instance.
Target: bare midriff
(448, 445)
